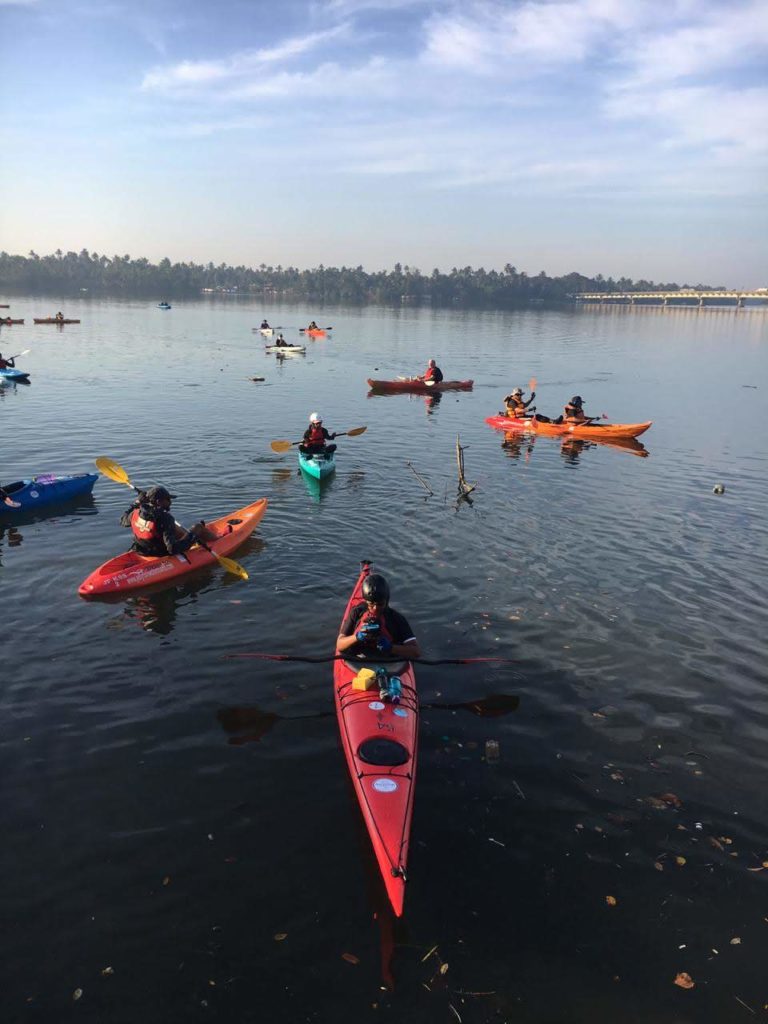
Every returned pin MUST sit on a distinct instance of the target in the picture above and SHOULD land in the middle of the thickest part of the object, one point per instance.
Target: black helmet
(156, 494)
(376, 589)
(576, 400)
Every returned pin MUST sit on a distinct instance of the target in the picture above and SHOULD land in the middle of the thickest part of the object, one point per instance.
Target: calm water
(161, 822)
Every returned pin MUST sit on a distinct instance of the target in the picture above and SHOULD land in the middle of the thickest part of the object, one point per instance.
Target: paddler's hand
(383, 645)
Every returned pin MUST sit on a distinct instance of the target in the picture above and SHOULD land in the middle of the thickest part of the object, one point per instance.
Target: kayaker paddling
(265, 326)
(574, 413)
(280, 341)
(313, 326)
(316, 437)
(515, 405)
(155, 531)
(372, 627)
(433, 374)
(7, 364)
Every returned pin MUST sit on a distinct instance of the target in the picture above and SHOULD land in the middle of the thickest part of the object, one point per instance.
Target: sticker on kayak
(385, 786)
(376, 705)
(34, 494)
(400, 712)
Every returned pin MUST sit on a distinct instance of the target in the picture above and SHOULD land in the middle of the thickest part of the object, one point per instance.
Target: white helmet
(517, 391)
(315, 417)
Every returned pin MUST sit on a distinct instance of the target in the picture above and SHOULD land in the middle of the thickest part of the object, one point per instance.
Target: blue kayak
(46, 490)
(317, 466)
(10, 374)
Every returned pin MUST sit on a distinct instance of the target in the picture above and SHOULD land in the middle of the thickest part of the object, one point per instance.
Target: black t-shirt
(396, 625)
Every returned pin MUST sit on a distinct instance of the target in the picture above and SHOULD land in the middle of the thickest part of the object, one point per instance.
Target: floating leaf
(658, 866)
(611, 901)
(350, 958)
(716, 843)
(672, 800)
(167, 880)
(684, 980)
(726, 840)
(280, 936)
(680, 861)
(736, 941)
(77, 994)
(443, 968)
(107, 971)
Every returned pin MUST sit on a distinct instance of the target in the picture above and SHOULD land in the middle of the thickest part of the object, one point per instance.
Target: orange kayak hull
(593, 431)
(132, 571)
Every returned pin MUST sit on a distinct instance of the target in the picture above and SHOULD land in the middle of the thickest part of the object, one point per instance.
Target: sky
(622, 137)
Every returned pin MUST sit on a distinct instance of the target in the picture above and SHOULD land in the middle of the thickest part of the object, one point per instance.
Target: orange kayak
(318, 333)
(133, 571)
(592, 431)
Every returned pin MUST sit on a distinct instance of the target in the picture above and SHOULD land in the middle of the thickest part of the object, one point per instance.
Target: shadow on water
(318, 489)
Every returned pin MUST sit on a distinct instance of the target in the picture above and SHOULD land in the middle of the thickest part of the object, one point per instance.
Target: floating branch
(421, 479)
(464, 488)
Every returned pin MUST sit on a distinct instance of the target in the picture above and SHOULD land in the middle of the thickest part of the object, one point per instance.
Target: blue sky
(620, 137)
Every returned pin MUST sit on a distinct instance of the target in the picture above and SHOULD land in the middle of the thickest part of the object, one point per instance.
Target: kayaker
(372, 627)
(316, 436)
(265, 326)
(313, 327)
(155, 531)
(59, 316)
(7, 364)
(280, 341)
(433, 374)
(515, 405)
(574, 411)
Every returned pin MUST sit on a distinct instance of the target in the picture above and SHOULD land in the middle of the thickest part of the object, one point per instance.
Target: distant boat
(164, 305)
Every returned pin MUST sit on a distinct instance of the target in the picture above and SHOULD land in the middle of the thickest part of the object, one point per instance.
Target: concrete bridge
(688, 297)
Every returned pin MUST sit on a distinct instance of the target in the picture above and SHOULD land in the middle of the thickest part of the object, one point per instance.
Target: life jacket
(316, 434)
(144, 530)
(574, 414)
(516, 406)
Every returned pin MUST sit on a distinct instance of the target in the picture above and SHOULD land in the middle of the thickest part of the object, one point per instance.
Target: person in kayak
(280, 341)
(433, 374)
(315, 438)
(313, 327)
(59, 316)
(155, 531)
(373, 627)
(515, 405)
(265, 326)
(574, 412)
(7, 364)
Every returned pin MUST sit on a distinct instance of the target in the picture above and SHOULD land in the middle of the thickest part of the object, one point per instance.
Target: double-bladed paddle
(20, 354)
(321, 659)
(115, 472)
(285, 446)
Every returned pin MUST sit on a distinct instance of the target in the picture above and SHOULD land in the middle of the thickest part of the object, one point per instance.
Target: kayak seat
(392, 668)
(383, 752)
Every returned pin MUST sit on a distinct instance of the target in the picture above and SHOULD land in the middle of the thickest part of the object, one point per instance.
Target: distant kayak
(46, 490)
(285, 348)
(133, 571)
(164, 305)
(593, 431)
(10, 374)
(416, 384)
(315, 332)
(267, 331)
(7, 322)
(53, 320)
(317, 466)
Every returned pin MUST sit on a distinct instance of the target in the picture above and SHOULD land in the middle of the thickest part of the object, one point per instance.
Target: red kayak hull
(594, 431)
(396, 387)
(384, 792)
(133, 571)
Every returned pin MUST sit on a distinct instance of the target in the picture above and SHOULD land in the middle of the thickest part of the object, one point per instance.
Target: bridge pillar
(666, 301)
(701, 303)
(740, 302)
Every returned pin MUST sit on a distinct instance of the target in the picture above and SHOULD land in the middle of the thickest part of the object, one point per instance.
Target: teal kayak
(317, 466)
(9, 374)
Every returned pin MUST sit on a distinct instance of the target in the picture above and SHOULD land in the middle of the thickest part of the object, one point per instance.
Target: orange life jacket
(144, 530)
(516, 406)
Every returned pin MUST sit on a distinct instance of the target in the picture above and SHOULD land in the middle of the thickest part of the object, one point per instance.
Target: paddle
(24, 353)
(115, 472)
(321, 659)
(260, 722)
(285, 446)
(303, 330)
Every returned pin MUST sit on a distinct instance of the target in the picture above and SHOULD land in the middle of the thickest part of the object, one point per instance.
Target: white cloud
(187, 74)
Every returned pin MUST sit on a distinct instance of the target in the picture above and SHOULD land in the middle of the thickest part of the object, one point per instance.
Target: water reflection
(155, 609)
(10, 534)
(318, 489)
(83, 505)
(517, 443)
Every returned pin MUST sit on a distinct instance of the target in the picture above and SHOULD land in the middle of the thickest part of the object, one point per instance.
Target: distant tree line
(72, 272)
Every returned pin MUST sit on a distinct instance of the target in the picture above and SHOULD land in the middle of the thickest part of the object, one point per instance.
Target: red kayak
(380, 744)
(133, 571)
(395, 387)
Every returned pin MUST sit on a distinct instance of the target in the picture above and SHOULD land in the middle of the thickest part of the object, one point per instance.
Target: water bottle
(382, 681)
(395, 689)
